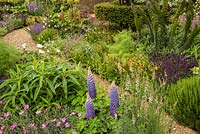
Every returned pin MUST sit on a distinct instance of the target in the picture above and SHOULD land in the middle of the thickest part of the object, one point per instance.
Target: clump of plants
(184, 100)
(9, 56)
(172, 67)
(42, 83)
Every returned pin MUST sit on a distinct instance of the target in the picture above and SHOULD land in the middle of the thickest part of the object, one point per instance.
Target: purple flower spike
(90, 113)
(114, 100)
(91, 84)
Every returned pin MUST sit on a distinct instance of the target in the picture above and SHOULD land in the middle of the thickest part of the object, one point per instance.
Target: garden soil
(19, 37)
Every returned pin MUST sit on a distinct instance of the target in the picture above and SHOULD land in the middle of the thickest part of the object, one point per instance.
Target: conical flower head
(91, 84)
(114, 100)
(90, 113)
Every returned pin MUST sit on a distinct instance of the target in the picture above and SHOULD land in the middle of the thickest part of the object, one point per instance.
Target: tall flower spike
(114, 100)
(90, 113)
(91, 84)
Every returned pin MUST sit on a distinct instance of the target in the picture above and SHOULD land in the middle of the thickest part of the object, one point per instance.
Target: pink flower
(63, 119)
(21, 112)
(1, 118)
(58, 124)
(43, 126)
(46, 123)
(2, 127)
(1, 132)
(67, 125)
(53, 120)
(6, 114)
(26, 107)
(45, 110)
(74, 132)
(59, 107)
(26, 131)
(12, 127)
(79, 114)
(32, 125)
(1, 101)
(72, 114)
(38, 112)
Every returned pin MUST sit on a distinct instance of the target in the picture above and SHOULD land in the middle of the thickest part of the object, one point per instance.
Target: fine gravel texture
(21, 39)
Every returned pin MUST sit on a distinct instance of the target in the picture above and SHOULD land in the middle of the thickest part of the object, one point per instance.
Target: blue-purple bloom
(114, 99)
(33, 6)
(36, 29)
(91, 84)
(90, 113)
(3, 23)
(172, 67)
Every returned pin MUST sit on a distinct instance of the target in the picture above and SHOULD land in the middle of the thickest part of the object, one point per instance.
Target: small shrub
(184, 98)
(47, 35)
(8, 57)
(3, 30)
(114, 13)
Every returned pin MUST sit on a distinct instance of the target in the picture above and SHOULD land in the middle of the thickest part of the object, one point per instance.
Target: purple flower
(36, 29)
(114, 100)
(3, 23)
(90, 113)
(91, 84)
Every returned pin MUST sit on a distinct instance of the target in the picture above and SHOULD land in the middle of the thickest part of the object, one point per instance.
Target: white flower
(41, 51)
(39, 46)
(47, 51)
(24, 45)
(57, 50)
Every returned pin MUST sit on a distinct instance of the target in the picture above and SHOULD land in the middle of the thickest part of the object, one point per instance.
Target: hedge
(119, 14)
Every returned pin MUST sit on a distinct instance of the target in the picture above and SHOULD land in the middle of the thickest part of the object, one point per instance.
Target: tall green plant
(163, 34)
(184, 98)
(42, 83)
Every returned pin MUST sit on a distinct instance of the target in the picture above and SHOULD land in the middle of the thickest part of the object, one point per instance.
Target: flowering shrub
(36, 29)
(172, 67)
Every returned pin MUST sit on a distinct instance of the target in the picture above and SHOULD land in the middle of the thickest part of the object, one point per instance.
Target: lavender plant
(114, 100)
(91, 84)
(172, 67)
(36, 29)
(90, 113)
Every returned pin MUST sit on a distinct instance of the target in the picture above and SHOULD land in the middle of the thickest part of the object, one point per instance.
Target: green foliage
(42, 83)
(122, 15)
(3, 30)
(184, 100)
(47, 35)
(56, 47)
(163, 35)
(31, 20)
(123, 44)
(8, 57)
(13, 22)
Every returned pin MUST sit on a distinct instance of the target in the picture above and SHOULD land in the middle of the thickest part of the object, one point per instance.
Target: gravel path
(18, 37)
